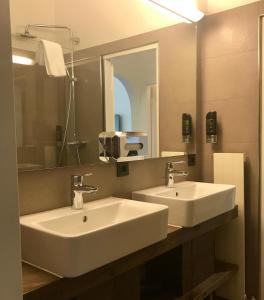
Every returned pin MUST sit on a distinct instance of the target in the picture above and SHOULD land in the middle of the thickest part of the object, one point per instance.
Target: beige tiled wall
(229, 85)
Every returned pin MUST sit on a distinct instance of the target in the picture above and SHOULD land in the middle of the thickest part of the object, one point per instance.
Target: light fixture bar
(185, 10)
(173, 11)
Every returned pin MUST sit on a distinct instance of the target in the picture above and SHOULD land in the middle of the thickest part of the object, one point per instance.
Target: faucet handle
(77, 180)
(180, 162)
(87, 174)
(170, 165)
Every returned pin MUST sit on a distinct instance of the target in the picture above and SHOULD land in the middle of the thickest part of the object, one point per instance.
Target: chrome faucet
(78, 188)
(171, 172)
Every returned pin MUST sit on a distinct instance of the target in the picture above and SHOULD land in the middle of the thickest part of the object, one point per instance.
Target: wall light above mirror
(187, 9)
(166, 74)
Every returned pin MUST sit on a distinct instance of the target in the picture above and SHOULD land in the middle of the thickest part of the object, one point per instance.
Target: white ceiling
(102, 21)
(98, 22)
(215, 6)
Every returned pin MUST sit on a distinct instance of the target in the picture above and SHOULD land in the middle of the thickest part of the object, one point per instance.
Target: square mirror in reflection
(130, 91)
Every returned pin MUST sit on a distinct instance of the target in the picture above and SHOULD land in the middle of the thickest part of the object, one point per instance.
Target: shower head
(27, 35)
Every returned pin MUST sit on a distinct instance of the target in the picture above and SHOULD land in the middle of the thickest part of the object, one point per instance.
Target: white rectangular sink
(71, 242)
(191, 203)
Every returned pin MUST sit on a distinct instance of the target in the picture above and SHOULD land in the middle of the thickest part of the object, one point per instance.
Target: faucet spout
(172, 172)
(181, 173)
(78, 188)
(86, 189)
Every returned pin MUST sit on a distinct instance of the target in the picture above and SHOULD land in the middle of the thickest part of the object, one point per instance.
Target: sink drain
(85, 219)
(176, 194)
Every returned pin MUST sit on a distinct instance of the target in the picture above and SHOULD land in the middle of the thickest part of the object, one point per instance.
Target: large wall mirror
(133, 69)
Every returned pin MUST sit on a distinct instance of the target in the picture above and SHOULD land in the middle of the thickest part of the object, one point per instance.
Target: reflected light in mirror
(22, 60)
(186, 9)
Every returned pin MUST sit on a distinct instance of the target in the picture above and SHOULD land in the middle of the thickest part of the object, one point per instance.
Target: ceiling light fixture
(185, 9)
(22, 60)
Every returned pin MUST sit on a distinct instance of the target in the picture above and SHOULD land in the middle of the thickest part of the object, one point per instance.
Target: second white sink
(189, 202)
(70, 242)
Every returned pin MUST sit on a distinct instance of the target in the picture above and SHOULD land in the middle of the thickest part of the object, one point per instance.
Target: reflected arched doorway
(123, 118)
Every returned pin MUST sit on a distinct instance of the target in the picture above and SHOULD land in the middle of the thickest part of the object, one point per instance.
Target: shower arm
(29, 26)
(74, 39)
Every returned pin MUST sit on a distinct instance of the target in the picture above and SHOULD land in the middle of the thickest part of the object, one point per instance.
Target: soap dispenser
(186, 128)
(211, 127)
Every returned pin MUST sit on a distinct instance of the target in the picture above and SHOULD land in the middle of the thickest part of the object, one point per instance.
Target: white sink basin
(191, 203)
(70, 243)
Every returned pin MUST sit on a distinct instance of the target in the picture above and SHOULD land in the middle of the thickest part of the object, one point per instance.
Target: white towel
(50, 54)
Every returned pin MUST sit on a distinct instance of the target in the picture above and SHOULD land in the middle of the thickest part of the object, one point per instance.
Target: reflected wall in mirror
(44, 111)
(53, 130)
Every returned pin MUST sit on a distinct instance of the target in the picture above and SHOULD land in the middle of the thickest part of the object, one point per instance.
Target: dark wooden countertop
(38, 284)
